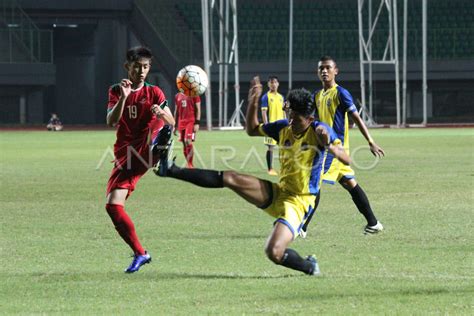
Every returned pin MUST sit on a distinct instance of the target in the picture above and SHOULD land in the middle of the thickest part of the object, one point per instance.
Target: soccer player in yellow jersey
(271, 105)
(304, 144)
(333, 104)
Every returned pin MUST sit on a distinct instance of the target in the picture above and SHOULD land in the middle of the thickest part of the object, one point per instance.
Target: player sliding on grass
(139, 110)
(303, 143)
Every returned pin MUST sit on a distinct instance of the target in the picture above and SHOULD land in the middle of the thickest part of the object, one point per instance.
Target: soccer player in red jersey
(187, 114)
(139, 111)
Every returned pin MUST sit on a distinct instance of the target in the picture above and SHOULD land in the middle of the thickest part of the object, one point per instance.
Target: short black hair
(137, 52)
(326, 58)
(301, 101)
(271, 77)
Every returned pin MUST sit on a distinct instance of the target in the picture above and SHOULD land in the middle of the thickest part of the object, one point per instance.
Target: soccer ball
(192, 80)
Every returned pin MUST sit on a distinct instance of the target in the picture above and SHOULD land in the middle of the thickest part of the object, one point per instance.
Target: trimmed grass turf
(61, 255)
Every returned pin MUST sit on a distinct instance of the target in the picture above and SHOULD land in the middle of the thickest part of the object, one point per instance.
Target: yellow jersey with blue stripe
(272, 102)
(301, 156)
(332, 106)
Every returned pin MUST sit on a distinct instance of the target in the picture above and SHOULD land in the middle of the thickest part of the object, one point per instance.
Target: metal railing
(21, 39)
(272, 45)
(178, 39)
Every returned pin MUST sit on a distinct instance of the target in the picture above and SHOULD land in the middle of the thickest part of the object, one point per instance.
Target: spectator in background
(54, 123)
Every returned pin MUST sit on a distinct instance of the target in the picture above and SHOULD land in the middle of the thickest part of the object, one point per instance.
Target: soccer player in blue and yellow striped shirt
(334, 104)
(304, 144)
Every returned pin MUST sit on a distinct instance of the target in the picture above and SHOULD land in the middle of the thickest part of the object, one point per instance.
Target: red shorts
(187, 133)
(130, 168)
(133, 161)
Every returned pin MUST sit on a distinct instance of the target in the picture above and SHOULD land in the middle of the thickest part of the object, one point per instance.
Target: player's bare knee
(274, 253)
(348, 184)
(232, 179)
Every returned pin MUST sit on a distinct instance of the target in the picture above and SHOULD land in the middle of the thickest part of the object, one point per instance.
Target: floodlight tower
(390, 55)
(225, 54)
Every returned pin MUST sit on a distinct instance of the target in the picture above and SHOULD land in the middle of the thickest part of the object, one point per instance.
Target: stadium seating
(322, 27)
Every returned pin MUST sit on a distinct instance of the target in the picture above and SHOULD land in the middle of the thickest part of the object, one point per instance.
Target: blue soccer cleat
(315, 270)
(138, 261)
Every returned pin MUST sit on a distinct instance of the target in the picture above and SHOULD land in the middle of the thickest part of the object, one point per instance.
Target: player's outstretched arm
(339, 152)
(374, 148)
(255, 92)
(336, 149)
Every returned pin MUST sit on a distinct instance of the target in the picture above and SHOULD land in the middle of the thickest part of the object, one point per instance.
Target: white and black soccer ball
(192, 80)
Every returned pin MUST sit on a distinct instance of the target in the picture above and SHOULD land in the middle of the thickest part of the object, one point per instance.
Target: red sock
(124, 225)
(185, 151)
(189, 153)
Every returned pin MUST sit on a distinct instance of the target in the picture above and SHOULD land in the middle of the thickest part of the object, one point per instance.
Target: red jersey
(137, 124)
(185, 109)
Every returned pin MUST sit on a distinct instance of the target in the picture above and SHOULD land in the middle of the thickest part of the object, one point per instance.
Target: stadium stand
(264, 25)
(38, 76)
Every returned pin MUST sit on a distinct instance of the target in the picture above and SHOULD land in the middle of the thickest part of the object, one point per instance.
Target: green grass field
(61, 255)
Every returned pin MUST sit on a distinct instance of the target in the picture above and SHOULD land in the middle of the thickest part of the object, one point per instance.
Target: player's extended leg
(252, 189)
(259, 193)
(269, 158)
(362, 202)
(125, 227)
(277, 251)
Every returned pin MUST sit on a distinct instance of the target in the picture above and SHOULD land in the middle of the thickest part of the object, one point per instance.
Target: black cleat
(163, 148)
(164, 165)
(162, 142)
(315, 266)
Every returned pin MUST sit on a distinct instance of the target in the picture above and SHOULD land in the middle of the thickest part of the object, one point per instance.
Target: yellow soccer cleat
(272, 172)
